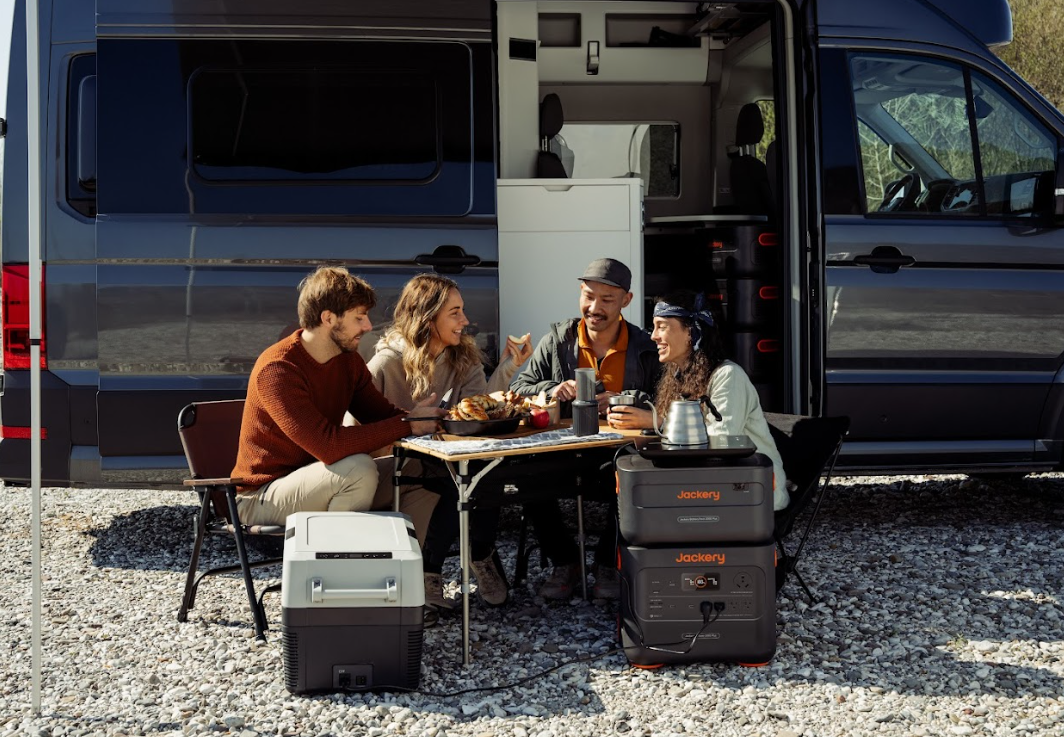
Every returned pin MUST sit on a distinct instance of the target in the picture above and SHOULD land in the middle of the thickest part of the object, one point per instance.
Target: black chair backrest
(806, 446)
(210, 436)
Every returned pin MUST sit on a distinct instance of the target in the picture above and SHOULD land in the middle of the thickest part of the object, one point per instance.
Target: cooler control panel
(678, 593)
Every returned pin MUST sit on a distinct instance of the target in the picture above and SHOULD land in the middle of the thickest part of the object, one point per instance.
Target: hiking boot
(434, 597)
(607, 583)
(563, 583)
(491, 583)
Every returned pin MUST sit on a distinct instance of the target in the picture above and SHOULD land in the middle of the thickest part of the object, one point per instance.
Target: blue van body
(205, 156)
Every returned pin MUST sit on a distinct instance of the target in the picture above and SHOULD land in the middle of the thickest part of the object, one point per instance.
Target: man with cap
(625, 360)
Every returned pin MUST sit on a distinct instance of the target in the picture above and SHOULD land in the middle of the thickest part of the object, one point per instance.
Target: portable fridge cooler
(727, 501)
(664, 591)
(352, 602)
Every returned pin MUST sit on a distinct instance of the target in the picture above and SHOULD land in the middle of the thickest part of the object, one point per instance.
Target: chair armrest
(214, 482)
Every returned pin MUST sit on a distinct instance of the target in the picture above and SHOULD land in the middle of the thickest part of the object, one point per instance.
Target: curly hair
(331, 288)
(690, 379)
(419, 305)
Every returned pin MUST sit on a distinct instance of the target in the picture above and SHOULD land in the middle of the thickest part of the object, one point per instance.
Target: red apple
(538, 418)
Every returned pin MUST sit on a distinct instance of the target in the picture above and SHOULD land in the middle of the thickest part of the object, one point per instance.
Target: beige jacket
(386, 368)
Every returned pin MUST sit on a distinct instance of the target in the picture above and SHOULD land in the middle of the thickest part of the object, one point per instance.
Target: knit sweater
(295, 408)
(389, 376)
(736, 399)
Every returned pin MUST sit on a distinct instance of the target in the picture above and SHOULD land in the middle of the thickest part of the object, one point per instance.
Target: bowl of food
(485, 414)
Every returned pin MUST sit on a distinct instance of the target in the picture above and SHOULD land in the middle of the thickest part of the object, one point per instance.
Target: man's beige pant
(356, 483)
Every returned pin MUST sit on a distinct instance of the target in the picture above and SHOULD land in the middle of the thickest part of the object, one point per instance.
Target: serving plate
(481, 427)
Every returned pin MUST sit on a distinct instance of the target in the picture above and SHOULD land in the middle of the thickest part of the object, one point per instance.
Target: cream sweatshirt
(736, 399)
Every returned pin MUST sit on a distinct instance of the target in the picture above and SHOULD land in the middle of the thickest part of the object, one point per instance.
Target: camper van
(873, 200)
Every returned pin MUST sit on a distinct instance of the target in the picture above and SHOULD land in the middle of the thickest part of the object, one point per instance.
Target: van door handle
(884, 259)
(447, 260)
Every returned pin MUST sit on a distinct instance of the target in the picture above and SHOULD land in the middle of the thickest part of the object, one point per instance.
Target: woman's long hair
(420, 303)
(690, 379)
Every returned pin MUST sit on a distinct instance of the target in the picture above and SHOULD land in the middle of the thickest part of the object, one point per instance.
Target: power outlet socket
(741, 607)
(355, 677)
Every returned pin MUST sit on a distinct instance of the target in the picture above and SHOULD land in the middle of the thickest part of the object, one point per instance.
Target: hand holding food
(519, 348)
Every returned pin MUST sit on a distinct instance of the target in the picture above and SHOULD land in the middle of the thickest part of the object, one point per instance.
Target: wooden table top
(627, 436)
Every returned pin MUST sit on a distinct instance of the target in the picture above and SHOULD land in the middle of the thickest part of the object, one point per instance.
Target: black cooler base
(665, 592)
(351, 649)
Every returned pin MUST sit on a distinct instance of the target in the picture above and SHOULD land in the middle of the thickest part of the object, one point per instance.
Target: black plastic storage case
(663, 591)
(726, 501)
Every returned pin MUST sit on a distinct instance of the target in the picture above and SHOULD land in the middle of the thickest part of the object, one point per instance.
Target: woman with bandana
(690, 347)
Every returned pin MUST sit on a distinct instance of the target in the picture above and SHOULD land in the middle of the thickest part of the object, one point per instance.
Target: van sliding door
(241, 145)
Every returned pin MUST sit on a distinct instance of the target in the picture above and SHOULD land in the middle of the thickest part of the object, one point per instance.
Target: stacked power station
(697, 558)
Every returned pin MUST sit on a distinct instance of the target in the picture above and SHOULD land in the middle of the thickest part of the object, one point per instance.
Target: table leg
(583, 547)
(466, 486)
(464, 553)
(399, 456)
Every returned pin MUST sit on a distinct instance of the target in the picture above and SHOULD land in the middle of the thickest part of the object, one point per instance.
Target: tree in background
(1037, 48)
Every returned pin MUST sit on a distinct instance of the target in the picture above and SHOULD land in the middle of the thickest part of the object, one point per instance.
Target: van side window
(81, 135)
(295, 127)
(915, 140)
(1016, 151)
(312, 124)
(937, 139)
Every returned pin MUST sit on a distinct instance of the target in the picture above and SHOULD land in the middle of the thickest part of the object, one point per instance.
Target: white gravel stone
(938, 612)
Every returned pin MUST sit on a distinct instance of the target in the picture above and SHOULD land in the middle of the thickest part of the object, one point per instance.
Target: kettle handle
(704, 399)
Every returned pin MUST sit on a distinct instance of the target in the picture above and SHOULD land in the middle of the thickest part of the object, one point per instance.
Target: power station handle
(320, 594)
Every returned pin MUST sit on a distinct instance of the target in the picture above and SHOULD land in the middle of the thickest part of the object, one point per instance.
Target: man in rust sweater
(295, 453)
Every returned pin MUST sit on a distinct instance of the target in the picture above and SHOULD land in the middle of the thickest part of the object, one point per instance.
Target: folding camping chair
(809, 447)
(210, 433)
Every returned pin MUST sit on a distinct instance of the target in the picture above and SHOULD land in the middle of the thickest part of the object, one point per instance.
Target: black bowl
(481, 427)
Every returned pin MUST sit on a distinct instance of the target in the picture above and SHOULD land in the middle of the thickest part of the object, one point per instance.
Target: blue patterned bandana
(696, 316)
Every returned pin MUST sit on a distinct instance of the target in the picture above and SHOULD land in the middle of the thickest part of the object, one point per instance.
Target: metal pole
(33, 154)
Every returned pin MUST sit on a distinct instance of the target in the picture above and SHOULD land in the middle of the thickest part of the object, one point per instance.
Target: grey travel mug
(585, 418)
(585, 384)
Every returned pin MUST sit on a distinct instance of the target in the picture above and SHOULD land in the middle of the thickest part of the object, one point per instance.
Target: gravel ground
(940, 613)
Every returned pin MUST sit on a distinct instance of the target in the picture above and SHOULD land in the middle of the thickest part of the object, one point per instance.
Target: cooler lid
(336, 532)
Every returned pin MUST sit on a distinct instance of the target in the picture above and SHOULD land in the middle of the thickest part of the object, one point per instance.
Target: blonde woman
(426, 350)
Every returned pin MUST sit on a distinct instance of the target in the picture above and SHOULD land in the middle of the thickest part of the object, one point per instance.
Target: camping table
(458, 466)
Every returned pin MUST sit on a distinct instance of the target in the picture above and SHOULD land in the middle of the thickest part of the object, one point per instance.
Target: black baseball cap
(609, 271)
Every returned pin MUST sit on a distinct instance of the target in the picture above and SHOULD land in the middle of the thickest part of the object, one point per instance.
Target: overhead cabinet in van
(871, 200)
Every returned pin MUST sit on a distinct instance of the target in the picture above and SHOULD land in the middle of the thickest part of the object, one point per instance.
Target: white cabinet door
(549, 231)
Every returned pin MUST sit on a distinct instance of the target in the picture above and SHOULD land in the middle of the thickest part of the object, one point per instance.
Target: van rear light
(768, 239)
(19, 432)
(768, 345)
(15, 317)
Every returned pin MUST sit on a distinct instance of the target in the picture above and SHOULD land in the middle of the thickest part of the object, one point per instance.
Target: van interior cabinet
(549, 231)
(735, 261)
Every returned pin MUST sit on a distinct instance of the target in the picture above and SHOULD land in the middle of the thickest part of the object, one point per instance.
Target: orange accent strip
(754, 665)
(655, 666)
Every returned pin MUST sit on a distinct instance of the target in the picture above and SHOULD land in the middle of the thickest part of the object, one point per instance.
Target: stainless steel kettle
(685, 425)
